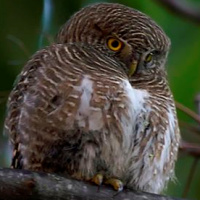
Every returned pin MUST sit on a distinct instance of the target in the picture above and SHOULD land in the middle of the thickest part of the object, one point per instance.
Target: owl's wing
(14, 105)
(42, 98)
(51, 89)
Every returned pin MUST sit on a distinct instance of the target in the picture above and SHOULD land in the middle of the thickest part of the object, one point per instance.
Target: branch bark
(23, 184)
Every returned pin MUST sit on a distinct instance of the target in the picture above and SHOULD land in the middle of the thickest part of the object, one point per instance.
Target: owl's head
(121, 32)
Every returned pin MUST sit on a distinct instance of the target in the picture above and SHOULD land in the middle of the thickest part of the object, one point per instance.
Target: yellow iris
(114, 44)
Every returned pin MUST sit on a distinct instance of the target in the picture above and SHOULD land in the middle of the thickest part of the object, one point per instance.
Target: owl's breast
(110, 106)
(110, 110)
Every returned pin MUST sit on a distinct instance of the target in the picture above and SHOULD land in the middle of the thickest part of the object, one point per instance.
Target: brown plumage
(98, 102)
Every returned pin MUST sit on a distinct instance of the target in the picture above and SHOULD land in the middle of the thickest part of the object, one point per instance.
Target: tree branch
(182, 8)
(23, 184)
(188, 111)
(190, 148)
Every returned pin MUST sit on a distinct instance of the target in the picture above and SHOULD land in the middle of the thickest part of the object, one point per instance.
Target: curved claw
(116, 183)
(97, 179)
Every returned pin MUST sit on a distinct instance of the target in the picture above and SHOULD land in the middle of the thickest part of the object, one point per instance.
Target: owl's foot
(115, 183)
(97, 179)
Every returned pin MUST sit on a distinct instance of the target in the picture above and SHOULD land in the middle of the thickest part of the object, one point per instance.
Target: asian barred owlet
(96, 104)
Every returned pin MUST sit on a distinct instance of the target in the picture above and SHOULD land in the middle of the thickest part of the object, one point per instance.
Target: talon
(116, 183)
(97, 179)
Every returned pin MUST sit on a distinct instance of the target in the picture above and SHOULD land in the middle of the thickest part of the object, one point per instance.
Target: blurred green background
(25, 27)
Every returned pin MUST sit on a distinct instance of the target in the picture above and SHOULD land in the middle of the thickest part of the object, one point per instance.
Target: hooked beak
(132, 68)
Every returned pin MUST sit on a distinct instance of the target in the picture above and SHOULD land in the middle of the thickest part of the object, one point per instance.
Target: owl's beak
(132, 68)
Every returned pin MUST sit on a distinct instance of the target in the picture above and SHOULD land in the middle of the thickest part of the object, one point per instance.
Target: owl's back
(51, 98)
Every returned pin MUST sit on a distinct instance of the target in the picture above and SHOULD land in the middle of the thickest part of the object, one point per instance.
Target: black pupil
(115, 44)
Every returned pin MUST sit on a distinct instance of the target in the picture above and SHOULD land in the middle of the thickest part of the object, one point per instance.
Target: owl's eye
(148, 58)
(114, 44)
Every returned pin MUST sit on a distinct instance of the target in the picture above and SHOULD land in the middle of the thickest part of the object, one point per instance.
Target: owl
(96, 104)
